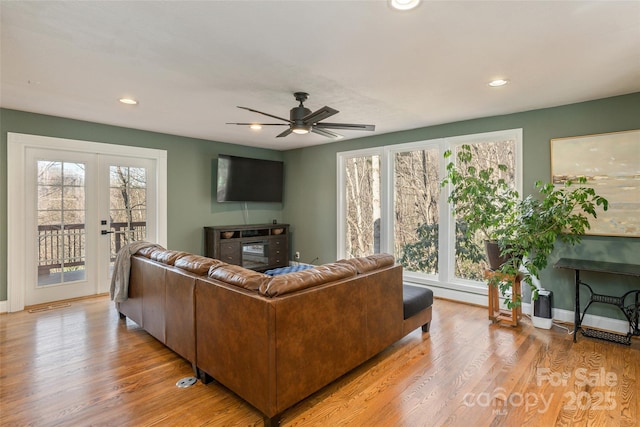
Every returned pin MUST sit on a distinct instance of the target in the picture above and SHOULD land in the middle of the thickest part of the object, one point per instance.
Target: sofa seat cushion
(238, 276)
(288, 269)
(415, 299)
(287, 283)
(197, 264)
(369, 263)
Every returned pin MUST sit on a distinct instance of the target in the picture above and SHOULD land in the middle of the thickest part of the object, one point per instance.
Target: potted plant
(524, 231)
(483, 201)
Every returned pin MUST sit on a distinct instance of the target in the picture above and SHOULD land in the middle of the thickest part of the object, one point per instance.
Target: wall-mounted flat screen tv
(241, 179)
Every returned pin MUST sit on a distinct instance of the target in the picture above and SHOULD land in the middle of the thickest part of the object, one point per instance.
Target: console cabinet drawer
(278, 251)
(230, 252)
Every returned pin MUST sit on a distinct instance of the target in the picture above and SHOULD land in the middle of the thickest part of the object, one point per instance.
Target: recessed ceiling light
(128, 101)
(255, 126)
(498, 82)
(404, 4)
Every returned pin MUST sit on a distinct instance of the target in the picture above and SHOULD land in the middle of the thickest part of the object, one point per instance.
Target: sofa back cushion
(196, 264)
(287, 283)
(147, 251)
(238, 276)
(369, 263)
(166, 256)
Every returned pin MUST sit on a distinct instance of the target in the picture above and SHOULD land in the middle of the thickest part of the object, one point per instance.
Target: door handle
(103, 232)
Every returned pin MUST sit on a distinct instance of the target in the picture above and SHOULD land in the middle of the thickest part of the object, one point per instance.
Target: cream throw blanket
(120, 279)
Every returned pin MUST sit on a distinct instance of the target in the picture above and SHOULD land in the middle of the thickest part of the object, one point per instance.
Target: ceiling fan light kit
(300, 129)
(302, 121)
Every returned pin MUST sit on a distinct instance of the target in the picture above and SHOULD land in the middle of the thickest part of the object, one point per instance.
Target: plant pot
(494, 259)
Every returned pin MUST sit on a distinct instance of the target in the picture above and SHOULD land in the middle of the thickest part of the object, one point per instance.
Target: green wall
(312, 183)
(310, 180)
(191, 167)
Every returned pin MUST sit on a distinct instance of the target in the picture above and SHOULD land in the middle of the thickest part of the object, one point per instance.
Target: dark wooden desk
(629, 303)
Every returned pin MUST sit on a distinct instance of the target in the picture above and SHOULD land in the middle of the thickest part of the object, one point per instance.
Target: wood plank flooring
(80, 366)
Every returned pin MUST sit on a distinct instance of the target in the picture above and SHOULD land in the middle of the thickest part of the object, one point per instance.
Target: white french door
(72, 208)
(60, 235)
(128, 199)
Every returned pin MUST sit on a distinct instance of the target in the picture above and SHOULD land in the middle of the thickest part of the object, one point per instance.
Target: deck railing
(58, 248)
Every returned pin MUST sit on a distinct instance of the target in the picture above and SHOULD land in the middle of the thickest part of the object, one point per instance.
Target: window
(362, 207)
(60, 221)
(127, 207)
(469, 253)
(416, 205)
(390, 200)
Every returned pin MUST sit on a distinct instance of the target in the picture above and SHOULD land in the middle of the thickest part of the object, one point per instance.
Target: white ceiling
(191, 63)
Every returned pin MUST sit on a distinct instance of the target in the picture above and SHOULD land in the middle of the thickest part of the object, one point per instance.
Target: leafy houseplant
(525, 230)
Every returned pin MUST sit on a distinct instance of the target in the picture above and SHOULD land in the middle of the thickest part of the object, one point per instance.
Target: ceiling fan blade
(261, 124)
(265, 114)
(346, 126)
(318, 115)
(285, 133)
(324, 132)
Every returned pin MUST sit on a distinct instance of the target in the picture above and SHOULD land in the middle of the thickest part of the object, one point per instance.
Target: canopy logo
(604, 400)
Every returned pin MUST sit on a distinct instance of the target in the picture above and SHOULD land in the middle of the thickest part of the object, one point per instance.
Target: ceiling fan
(302, 120)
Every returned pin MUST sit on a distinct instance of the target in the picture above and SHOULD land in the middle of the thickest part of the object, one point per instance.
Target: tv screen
(241, 179)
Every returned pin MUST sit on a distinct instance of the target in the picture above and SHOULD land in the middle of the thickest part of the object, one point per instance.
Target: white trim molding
(17, 148)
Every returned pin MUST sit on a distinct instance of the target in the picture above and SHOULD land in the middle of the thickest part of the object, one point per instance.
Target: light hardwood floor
(81, 366)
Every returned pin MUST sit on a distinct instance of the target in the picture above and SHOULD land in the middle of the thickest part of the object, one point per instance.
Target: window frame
(341, 203)
(445, 277)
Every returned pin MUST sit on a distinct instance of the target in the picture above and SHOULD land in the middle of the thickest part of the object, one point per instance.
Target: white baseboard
(590, 320)
(560, 315)
(454, 295)
(3, 307)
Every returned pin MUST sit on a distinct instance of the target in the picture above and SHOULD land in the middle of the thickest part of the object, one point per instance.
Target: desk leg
(576, 323)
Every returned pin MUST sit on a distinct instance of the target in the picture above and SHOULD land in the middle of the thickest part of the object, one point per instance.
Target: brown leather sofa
(271, 340)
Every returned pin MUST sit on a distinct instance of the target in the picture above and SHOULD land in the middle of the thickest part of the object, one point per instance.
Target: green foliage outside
(422, 255)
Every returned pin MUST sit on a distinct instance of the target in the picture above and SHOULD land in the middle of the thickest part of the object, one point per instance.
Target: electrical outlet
(297, 255)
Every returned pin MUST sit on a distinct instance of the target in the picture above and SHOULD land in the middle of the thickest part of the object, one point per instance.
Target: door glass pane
(72, 197)
(127, 207)
(416, 207)
(470, 256)
(50, 197)
(362, 206)
(60, 217)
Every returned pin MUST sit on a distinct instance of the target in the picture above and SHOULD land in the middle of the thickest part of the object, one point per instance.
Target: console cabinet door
(278, 251)
(230, 252)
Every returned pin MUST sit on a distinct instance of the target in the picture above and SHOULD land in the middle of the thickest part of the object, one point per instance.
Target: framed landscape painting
(611, 164)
